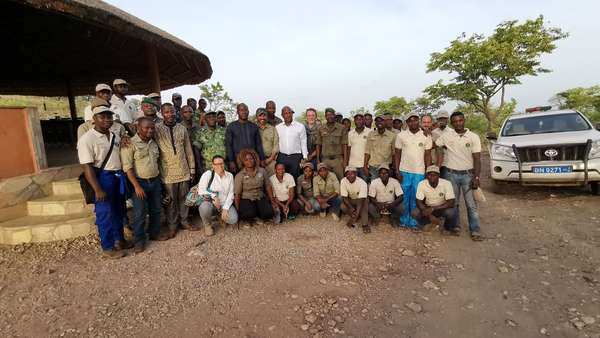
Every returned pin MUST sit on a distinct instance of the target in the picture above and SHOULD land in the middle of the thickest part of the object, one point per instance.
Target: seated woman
(305, 199)
(282, 189)
(250, 185)
(216, 187)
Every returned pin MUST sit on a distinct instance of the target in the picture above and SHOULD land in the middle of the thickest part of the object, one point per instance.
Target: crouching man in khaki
(385, 197)
(435, 200)
(353, 190)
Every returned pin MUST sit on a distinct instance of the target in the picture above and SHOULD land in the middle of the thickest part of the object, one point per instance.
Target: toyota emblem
(551, 153)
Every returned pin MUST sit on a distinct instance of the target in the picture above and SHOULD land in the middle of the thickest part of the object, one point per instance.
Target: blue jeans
(207, 210)
(410, 181)
(109, 213)
(462, 183)
(150, 206)
(335, 205)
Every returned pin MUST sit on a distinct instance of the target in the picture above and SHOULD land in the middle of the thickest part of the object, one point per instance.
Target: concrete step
(66, 187)
(30, 229)
(58, 205)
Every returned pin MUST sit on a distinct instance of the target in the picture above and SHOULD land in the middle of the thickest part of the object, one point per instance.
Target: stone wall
(17, 190)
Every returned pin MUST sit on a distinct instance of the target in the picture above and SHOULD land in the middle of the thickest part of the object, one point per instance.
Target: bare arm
(476, 169)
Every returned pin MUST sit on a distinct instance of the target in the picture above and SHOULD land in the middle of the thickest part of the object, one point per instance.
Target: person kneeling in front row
(385, 197)
(304, 190)
(435, 200)
(216, 186)
(250, 185)
(353, 190)
(282, 186)
(327, 192)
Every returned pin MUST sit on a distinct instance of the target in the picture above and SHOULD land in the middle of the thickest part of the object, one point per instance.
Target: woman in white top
(216, 186)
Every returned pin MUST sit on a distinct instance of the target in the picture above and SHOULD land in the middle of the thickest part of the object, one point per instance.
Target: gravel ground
(536, 274)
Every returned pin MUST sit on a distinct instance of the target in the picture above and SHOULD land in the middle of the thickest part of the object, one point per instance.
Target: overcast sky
(348, 54)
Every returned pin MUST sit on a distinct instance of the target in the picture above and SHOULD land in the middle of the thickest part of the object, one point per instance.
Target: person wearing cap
(88, 124)
(252, 198)
(326, 189)
(435, 201)
(140, 163)
(221, 119)
(293, 149)
(155, 97)
(148, 110)
(282, 189)
(98, 152)
(357, 143)
(397, 125)
(177, 101)
(312, 128)
(441, 127)
(332, 141)
(385, 197)
(304, 190)
(368, 120)
(242, 134)
(354, 192)
(462, 159)
(339, 118)
(271, 108)
(388, 122)
(177, 168)
(192, 103)
(269, 139)
(199, 113)
(103, 92)
(209, 141)
(413, 155)
(187, 119)
(216, 185)
(125, 110)
(379, 149)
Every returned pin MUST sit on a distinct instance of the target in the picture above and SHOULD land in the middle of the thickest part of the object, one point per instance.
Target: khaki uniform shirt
(116, 128)
(270, 139)
(326, 187)
(355, 190)
(380, 147)
(331, 140)
(435, 196)
(304, 187)
(176, 154)
(142, 157)
(281, 189)
(357, 143)
(459, 149)
(413, 148)
(385, 193)
(251, 187)
(93, 147)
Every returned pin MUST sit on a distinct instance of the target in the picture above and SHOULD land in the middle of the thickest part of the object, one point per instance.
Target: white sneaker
(335, 216)
(208, 230)
(322, 214)
(259, 221)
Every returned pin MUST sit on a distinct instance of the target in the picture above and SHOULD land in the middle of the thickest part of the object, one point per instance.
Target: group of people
(262, 168)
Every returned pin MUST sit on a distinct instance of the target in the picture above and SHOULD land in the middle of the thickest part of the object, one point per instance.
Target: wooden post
(153, 71)
(73, 110)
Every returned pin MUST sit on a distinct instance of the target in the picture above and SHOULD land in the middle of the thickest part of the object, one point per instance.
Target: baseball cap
(442, 114)
(411, 114)
(433, 169)
(349, 168)
(308, 164)
(103, 86)
(120, 82)
(322, 165)
(176, 95)
(101, 110)
(153, 95)
(329, 110)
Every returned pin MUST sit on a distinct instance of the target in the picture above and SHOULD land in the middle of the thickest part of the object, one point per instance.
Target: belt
(470, 171)
(147, 180)
(334, 157)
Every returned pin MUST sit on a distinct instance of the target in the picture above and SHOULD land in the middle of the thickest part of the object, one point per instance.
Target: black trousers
(251, 209)
(291, 163)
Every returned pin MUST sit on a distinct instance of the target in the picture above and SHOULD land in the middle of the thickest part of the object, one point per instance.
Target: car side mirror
(491, 136)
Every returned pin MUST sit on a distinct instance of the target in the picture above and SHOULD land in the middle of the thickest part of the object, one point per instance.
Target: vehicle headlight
(595, 150)
(502, 152)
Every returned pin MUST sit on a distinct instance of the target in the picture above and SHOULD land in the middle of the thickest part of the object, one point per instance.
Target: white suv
(546, 147)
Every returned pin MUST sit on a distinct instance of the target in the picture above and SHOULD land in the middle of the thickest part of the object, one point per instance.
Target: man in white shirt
(435, 201)
(283, 186)
(357, 143)
(462, 158)
(216, 187)
(98, 152)
(442, 127)
(354, 191)
(292, 142)
(413, 154)
(125, 110)
(385, 197)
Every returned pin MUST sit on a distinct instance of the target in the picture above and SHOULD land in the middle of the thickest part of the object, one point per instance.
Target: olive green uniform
(331, 139)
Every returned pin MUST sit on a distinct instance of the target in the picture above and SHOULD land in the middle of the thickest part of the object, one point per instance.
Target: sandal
(366, 229)
(476, 236)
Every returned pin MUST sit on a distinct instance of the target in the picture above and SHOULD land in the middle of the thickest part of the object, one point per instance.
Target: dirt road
(536, 274)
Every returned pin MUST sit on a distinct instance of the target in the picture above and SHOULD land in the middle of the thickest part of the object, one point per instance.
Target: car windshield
(543, 124)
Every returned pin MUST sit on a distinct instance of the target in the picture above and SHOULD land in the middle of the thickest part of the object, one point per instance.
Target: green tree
(484, 66)
(585, 100)
(218, 99)
(302, 116)
(396, 106)
(479, 124)
(361, 110)
(427, 104)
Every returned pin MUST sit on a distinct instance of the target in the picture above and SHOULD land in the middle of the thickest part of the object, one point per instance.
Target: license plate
(553, 170)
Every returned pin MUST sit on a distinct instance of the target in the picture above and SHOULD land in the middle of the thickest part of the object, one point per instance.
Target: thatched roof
(48, 43)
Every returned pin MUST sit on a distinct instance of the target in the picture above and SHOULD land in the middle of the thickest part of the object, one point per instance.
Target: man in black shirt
(242, 134)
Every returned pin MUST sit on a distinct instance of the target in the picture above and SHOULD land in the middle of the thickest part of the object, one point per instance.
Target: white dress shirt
(292, 138)
(125, 111)
(221, 188)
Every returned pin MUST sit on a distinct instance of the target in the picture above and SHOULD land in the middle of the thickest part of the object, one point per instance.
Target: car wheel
(595, 188)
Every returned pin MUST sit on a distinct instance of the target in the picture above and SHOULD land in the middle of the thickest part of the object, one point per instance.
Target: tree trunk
(489, 114)
(502, 98)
